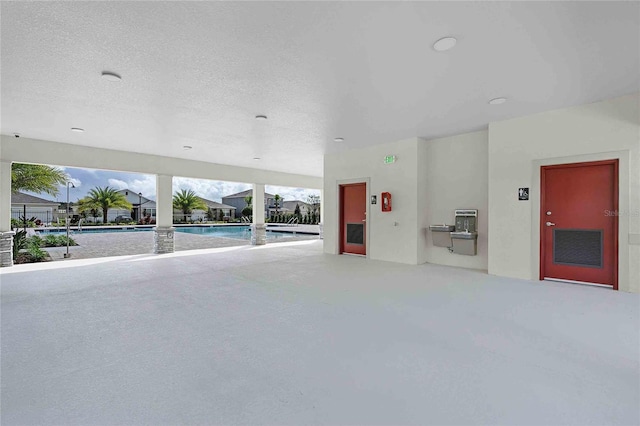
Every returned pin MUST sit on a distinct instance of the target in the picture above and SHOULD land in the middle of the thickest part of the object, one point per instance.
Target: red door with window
(579, 222)
(353, 218)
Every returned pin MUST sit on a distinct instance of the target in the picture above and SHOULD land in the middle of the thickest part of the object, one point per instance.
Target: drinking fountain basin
(464, 235)
(442, 228)
(465, 242)
(441, 235)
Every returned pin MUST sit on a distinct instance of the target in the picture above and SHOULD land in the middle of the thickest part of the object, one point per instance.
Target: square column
(6, 234)
(164, 230)
(321, 221)
(258, 227)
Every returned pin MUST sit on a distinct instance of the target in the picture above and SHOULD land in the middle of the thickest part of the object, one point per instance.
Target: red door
(353, 216)
(579, 222)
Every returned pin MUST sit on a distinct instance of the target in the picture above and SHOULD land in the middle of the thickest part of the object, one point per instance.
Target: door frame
(616, 197)
(367, 228)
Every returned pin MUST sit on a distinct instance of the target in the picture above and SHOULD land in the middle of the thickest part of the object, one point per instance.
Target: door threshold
(560, 280)
(354, 254)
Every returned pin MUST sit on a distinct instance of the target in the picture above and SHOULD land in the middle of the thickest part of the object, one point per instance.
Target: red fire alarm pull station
(386, 201)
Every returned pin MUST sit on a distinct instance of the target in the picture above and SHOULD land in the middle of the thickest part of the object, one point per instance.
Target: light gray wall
(453, 173)
(517, 149)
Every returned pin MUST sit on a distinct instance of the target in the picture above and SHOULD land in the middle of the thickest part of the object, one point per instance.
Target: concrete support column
(321, 221)
(258, 227)
(5, 195)
(164, 230)
(6, 235)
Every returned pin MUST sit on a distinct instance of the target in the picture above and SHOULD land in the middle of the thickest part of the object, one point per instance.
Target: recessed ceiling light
(338, 139)
(444, 44)
(497, 101)
(261, 117)
(187, 147)
(111, 76)
(256, 158)
(77, 129)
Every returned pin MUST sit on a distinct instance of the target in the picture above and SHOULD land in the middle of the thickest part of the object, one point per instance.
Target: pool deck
(128, 243)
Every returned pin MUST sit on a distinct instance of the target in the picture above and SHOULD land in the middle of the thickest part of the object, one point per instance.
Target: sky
(87, 179)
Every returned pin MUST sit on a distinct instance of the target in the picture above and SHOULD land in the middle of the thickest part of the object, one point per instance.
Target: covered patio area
(284, 334)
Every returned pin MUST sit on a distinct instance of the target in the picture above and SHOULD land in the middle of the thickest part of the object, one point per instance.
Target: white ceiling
(196, 73)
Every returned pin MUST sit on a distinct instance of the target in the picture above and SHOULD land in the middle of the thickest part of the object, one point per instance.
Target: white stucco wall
(391, 235)
(517, 149)
(453, 174)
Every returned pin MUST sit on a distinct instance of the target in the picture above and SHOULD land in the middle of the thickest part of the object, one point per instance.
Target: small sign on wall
(523, 194)
(374, 199)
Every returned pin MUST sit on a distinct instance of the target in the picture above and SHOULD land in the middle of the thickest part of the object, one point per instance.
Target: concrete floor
(283, 334)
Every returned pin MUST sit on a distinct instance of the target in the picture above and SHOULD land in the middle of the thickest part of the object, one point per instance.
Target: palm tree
(36, 178)
(104, 198)
(276, 202)
(186, 200)
(248, 211)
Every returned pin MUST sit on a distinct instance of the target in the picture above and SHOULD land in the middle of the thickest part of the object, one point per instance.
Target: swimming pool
(236, 232)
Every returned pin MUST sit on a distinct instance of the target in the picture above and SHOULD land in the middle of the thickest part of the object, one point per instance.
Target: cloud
(291, 194)
(210, 189)
(117, 183)
(146, 184)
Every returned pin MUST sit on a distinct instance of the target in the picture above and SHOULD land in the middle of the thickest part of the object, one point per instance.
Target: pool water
(237, 232)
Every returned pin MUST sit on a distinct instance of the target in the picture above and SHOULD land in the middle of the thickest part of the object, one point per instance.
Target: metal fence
(40, 217)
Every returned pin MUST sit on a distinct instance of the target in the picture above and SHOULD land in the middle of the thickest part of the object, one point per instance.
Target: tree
(248, 211)
(314, 202)
(95, 213)
(297, 213)
(104, 199)
(36, 178)
(276, 202)
(187, 201)
(211, 214)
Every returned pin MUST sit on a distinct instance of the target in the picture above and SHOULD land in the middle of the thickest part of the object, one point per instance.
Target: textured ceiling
(196, 73)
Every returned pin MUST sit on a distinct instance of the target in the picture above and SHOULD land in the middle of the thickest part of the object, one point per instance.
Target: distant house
(141, 207)
(44, 210)
(237, 201)
(291, 205)
(217, 208)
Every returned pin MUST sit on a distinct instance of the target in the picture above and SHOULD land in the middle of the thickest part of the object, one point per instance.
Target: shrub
(61, 240)
(51, 240)
(56, 241)
(35, 241)
(19, 223)
(19, 243)
(36, 253)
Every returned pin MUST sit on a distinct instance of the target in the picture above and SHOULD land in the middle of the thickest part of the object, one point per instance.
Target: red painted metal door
(579, 226)
(353, 218)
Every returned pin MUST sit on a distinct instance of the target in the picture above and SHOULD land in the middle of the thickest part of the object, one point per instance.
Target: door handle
(550, 224)
(364, 220)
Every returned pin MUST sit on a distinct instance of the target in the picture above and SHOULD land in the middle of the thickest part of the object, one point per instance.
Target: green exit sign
(389, 159)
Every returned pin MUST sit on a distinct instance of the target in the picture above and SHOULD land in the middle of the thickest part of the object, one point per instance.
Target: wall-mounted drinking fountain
(465, 237)
(461, 238)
